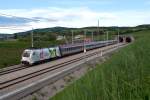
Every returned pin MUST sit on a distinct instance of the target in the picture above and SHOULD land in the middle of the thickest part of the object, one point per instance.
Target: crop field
(125, 76)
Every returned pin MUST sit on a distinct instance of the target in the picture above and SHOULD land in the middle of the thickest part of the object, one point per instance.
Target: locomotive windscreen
(26, 54)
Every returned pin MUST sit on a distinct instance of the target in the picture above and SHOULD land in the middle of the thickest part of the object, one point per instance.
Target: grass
(126, 76)
(10, 52)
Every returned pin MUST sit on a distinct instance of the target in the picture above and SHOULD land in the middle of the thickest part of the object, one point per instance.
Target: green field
(10, 52)
(126, 76)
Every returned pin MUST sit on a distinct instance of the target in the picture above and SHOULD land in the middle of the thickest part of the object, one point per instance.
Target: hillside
(65, 30)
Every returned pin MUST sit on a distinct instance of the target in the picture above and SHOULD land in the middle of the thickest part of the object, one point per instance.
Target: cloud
(27, 19)
(11, 21)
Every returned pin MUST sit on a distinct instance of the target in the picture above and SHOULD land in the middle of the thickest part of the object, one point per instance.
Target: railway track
(20, 79)
(10, 70)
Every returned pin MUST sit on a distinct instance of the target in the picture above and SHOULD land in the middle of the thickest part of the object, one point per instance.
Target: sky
(23, 15)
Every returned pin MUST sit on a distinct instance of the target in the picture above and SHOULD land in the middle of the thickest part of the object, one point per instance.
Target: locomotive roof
(34, 48)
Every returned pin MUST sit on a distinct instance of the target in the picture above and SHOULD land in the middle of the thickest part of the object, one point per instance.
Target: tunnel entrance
(128, 39)
(120, 39)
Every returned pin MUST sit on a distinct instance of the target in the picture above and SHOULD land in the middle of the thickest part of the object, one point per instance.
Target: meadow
(125, 76)
(10, 52)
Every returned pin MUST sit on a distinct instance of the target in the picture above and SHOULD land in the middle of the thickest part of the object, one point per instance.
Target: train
(32, 56)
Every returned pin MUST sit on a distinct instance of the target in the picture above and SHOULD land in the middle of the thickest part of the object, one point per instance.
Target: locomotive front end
(26, 57)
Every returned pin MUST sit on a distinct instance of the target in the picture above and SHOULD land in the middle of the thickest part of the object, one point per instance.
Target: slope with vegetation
(125, 76)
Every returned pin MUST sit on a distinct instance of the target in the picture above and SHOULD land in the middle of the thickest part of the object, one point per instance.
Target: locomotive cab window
(26, 54)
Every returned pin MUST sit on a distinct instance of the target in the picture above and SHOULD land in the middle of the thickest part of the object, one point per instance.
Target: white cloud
(75, 17)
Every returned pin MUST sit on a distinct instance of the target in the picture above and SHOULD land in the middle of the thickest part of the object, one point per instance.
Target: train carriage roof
(71, 45)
